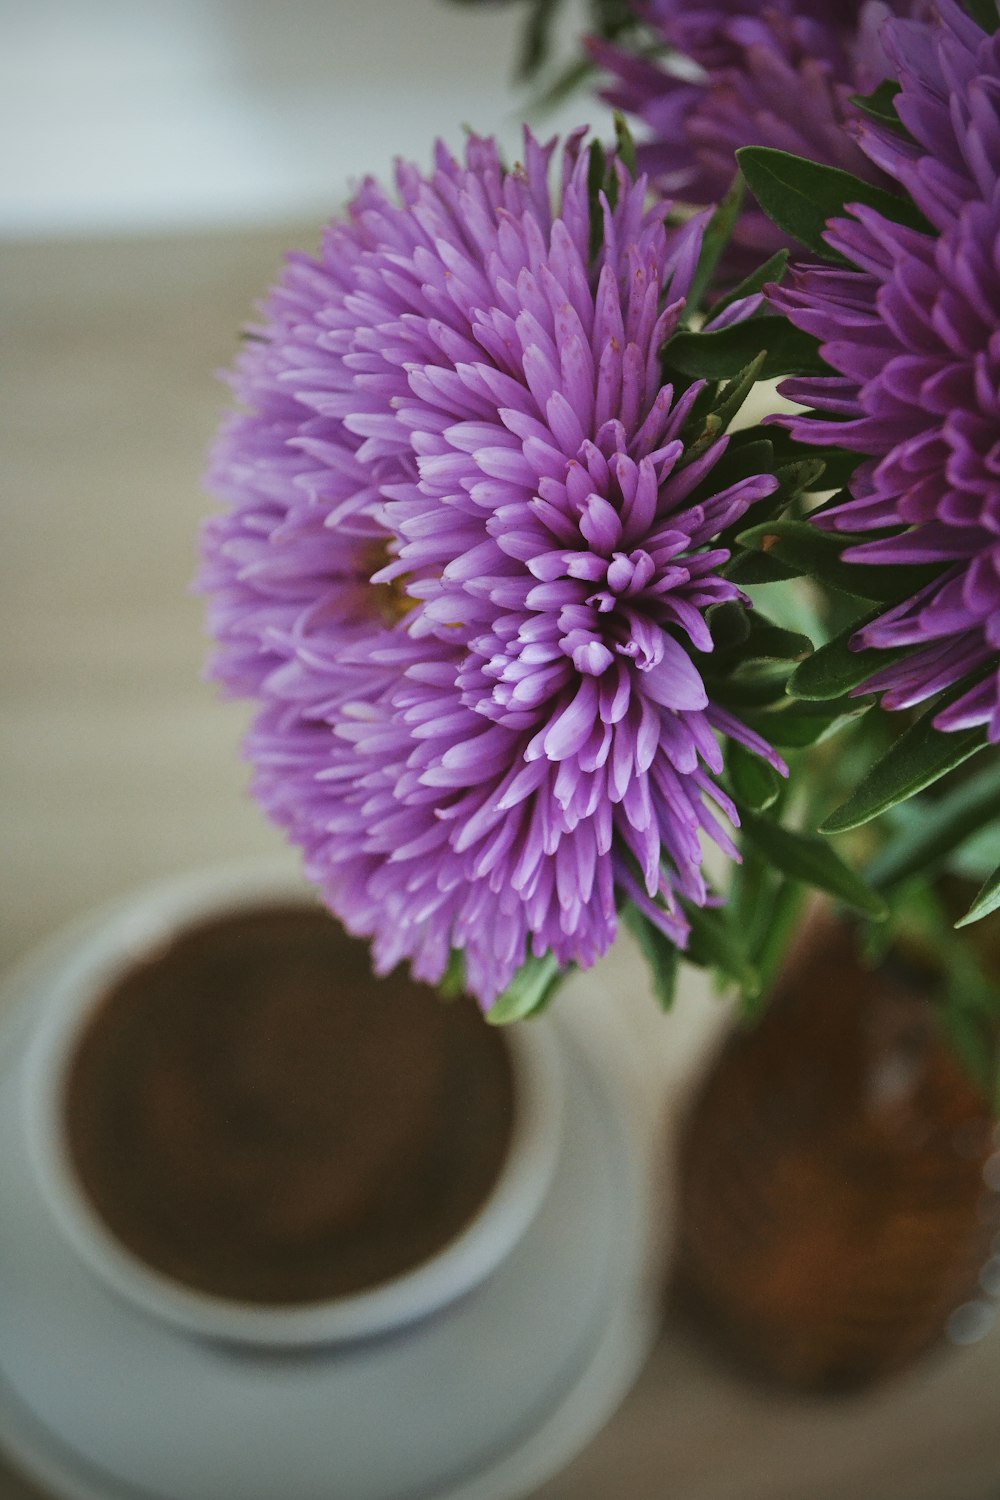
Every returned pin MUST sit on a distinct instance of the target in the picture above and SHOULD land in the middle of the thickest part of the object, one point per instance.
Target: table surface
(119, 765)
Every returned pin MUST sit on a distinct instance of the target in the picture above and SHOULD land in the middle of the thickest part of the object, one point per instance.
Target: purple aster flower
(464, 564)
(779, 74)
(913, 335)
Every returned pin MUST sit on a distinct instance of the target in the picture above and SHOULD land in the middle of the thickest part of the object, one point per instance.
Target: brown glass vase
(835, 1212)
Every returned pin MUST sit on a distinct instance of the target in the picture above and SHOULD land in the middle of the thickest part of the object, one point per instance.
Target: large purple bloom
(778, 74)
(465, 562)
(915, 335)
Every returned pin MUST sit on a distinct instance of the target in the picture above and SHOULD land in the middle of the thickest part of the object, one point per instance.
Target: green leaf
(563, 85)
(730, 626)
(835, 669)
(977, 856)
(536, 40)
(611, 18)
(794, 726)
(452, 986)
(624, 143)
(986, 902)
(732, 395)
(964, 1034)
(754, 783)
(794, 480)
(940, 827)
(711, 431)
(879, 105)
(768, 641)
(800, 196)
(745, 454)
(818, 553)
(597, 168)
(715, 943)
(984, 13)
(751, 886)
(793, 609)
(809, 858)
(718, 233)
(529, 991)
(920, 756)
(659, 952)
(727, 352)
(773, 270)
(784, 917)
(838, 463)
(750, 568)
(800, 477)
(752, 685)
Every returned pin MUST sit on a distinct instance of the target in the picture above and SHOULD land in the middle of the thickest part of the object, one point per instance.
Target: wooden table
(118, 765)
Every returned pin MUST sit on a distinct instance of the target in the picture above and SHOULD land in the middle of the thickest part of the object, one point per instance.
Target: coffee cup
(143, 936)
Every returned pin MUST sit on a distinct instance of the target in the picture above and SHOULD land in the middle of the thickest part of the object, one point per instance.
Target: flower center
(391, 599)
(615, 626)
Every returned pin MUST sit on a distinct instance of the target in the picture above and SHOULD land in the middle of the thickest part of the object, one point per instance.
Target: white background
(144, 115)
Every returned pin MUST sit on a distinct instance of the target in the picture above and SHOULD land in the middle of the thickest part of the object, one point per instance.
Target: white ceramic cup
(125, 936)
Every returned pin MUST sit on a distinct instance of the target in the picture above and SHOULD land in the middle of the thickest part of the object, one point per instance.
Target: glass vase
(838, 1178)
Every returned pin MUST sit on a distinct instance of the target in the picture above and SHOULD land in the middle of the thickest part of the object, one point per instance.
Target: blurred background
(156, 159)
(132, 115)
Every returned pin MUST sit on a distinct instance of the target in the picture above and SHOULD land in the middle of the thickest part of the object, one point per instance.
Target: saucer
(482, 1401)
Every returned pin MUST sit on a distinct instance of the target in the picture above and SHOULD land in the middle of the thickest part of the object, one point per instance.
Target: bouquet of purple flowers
(535, 615)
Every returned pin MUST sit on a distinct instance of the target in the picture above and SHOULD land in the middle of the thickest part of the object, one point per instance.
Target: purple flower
(914, 337)
(464, 564)
(779, 74)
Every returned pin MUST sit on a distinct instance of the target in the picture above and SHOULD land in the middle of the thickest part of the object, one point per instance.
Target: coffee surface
(253, 1114)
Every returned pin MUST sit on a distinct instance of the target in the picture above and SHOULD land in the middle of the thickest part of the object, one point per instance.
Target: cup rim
(123, 935)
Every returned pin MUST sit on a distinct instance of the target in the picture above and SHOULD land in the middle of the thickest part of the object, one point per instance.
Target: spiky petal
(778, 74)
(465, 563)
(913, 335)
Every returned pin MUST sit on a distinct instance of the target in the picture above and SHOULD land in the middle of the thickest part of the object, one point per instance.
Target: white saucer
(480, 1402)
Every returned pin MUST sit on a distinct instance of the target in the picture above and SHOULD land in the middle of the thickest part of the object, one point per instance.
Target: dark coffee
(253, 1114)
